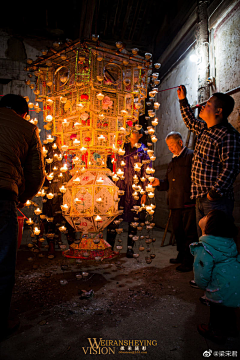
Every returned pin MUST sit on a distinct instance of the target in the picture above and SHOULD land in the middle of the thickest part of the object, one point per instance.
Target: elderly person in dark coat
(178, 184)
(126, 162)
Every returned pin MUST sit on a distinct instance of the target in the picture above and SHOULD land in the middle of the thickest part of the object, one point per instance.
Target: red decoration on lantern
(73, 136)
(84, 97)
(87, 138)
(129, 123)
(119, 142)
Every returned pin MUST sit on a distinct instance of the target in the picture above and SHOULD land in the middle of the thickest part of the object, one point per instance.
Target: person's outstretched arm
(188, 116)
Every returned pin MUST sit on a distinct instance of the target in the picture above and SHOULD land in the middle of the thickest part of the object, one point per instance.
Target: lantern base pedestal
(88, 250)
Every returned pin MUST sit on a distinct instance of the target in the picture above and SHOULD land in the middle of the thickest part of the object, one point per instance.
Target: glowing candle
(64, 168)
(28, 203)
(64, 147)
(98, 218)
(154, 138)
(155, 122)
(76, 180)
(45, 151)
(49, 160)
(29, 221)
(38, 211)
(100, 181)
(50, 176)
(100, 96)
(36, 231)
(64, 207)
(49, 118)
(62, 189)
(50, 138)
(76, 142)
(62, 228)
(50, 196)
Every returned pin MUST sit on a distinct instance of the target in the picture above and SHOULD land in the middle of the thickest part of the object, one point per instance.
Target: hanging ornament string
(23, 214)
(175, 87)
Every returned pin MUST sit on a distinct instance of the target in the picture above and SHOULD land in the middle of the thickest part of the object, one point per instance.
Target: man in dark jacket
(178, 184)
(21, 177)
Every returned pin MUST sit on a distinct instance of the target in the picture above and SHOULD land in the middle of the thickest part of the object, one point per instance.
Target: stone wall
(170, 120)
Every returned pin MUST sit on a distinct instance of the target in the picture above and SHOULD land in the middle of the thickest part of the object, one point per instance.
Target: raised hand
(181, 91)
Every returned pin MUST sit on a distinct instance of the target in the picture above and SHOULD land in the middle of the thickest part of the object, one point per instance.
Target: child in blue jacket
(217, 271)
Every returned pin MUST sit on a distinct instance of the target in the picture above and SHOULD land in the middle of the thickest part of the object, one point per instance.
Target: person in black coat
(178, 184)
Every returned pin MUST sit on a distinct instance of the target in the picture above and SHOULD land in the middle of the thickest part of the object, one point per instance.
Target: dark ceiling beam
(135, 19)
(116, 16)
(126, 18)
(144, 19)
(95, 25)
(107, 17)
(86, 20)
(82, 19)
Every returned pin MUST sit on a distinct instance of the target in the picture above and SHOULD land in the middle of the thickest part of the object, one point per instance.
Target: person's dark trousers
(203, 206)
(8, 251)
(185, 231)
(223, 319)
(131, 231)
(111, 234)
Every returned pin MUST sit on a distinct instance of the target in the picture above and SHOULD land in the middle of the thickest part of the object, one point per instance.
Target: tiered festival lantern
(92, 96)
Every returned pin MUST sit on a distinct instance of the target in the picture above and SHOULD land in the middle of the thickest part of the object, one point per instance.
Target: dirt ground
(118, 299)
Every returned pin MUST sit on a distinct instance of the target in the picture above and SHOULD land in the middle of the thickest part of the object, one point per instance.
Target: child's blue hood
(220, 248)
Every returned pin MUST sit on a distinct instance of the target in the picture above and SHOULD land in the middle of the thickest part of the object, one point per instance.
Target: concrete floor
(132, 301)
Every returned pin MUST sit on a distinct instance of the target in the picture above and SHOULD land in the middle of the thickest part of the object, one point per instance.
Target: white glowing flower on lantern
(76, 142)
(65, 122)
(49, 118)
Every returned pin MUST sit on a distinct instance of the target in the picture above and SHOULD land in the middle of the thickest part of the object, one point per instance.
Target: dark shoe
(13, 326)
(204, 301)
(184, 268)
(210, 334)
(193, 284)
(175, 261)
(130, 253)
